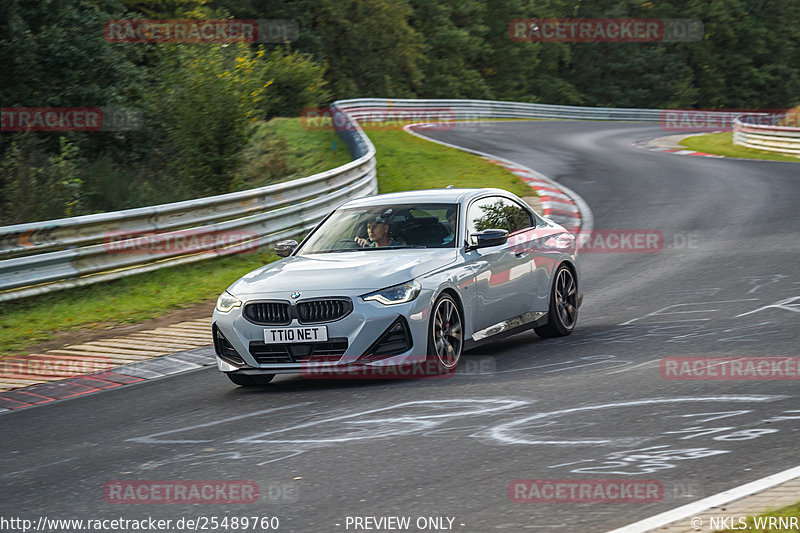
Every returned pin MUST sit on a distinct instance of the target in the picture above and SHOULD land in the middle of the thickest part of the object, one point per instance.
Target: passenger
(451, 225)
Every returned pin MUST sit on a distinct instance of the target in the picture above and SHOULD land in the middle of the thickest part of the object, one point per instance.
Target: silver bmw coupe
(403, 280)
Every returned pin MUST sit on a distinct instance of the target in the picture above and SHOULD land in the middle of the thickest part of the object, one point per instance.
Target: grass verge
(282, 149)
(763, 524)
(722, 144)
(404, 162)
(29, 321)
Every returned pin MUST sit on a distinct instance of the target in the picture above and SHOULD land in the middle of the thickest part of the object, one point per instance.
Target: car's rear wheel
(445, 335)
(563, 311)
(243, 380)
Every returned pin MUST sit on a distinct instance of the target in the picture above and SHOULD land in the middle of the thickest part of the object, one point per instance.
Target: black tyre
(563, 312)
(445, 335)
(243, 380)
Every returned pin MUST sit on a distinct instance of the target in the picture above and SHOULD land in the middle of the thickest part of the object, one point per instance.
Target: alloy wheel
(447, 333)
(566, 298)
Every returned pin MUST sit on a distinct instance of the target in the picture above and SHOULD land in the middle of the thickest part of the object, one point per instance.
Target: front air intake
(314, 352)
(395, 340)
(225, 349)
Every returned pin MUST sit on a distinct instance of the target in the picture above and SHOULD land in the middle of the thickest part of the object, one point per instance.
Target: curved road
(590, 406)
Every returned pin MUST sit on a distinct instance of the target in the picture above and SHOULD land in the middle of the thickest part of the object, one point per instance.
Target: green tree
(295, 82)
(750, 57)
(510, 68)
(175, 9)
(309, 41)
(35, 185)
(203, 105)
(370, 48)
(499, 216)
(454, 41)
(53, 54)
(621, 74)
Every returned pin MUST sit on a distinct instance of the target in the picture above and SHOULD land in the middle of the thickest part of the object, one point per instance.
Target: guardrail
(750, 132)
(488, 109)
(45, 256)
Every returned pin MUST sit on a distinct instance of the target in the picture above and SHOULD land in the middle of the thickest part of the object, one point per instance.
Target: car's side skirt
(511, 326)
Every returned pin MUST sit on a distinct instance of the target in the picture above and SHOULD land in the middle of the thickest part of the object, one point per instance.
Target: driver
(378, 232)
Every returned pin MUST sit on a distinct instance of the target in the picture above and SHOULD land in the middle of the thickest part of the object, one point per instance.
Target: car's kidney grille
(268, 313)
(330, 351)
(316, 311)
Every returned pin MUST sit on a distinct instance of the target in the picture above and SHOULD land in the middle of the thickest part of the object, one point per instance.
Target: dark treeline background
(200, 102)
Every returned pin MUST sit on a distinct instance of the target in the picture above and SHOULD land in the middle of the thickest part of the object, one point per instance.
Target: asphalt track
(590, 406)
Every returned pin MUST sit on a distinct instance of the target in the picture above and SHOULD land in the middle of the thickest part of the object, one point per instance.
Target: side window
(518, 217)
(496, 212)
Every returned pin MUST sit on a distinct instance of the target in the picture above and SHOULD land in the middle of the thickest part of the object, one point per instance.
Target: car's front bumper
(362, 328)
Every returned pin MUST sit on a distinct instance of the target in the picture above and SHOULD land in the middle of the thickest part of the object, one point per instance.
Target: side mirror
(285, 248)
(487, 237)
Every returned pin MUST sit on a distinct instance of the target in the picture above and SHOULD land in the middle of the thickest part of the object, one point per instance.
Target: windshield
(386, 226)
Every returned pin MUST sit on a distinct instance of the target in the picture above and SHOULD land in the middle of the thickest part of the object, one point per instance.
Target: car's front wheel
(563, 313)
(446, 334)
(243, 380)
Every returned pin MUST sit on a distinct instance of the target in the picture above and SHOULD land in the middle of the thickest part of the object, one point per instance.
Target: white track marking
(504, 433)
(705, 504)
(151, 439)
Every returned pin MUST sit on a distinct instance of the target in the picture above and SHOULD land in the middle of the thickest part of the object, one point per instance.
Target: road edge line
(701, 506)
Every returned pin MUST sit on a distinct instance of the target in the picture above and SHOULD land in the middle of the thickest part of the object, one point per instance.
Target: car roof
(428, 195)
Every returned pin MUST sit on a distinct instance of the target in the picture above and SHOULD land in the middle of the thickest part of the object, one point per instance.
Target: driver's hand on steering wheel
(363, 242)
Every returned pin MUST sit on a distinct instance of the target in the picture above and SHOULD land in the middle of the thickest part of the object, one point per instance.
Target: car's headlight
(398, 294)
(227, 301)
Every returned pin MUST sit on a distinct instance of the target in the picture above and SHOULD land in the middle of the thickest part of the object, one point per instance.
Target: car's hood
(360, 270)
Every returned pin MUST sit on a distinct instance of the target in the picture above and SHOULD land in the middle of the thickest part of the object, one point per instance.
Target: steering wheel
(351, 242)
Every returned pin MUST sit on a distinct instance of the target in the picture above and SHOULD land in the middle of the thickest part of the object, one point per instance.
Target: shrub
(35, 185)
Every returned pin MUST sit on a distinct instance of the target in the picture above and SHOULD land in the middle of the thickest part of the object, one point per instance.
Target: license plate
(307, 334)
